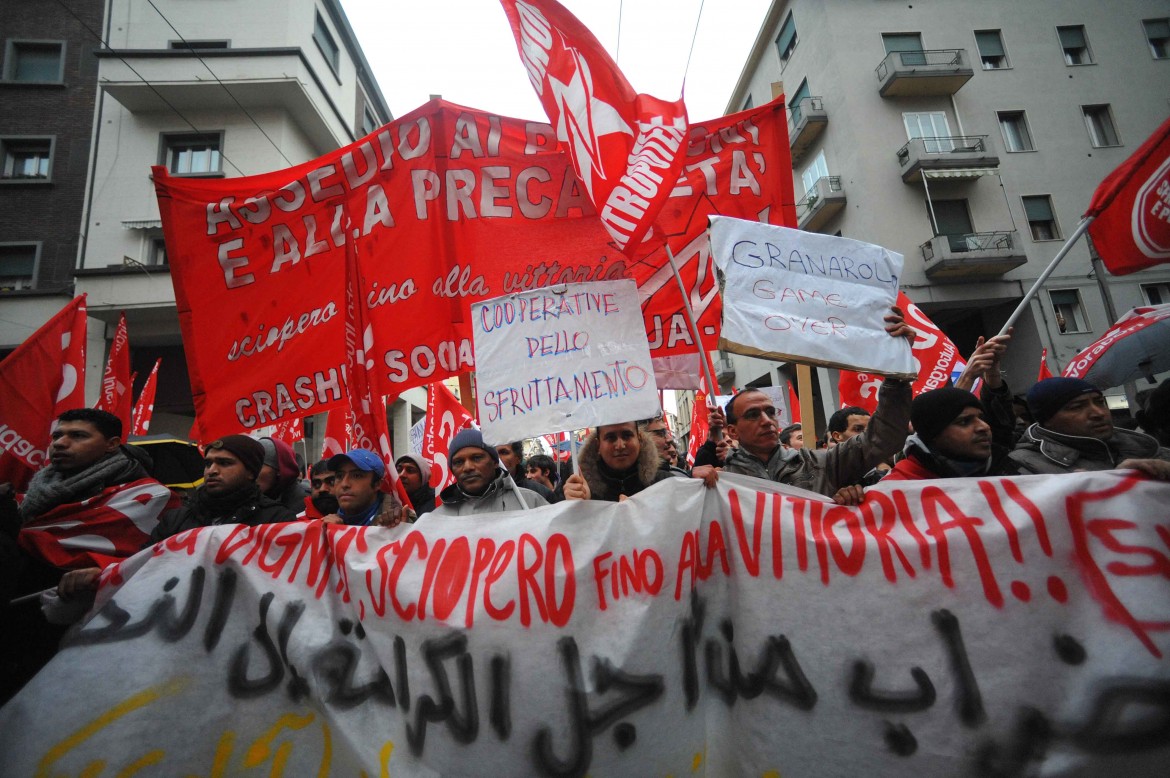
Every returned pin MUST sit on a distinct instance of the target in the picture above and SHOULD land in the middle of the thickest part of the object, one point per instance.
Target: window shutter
(1072, 37)
(990, 43)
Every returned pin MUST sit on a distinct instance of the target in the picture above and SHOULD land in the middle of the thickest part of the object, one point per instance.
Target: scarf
(50, 487)
(215, 507)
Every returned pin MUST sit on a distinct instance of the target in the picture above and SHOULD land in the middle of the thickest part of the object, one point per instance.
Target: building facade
(968, 137)
(211, 89)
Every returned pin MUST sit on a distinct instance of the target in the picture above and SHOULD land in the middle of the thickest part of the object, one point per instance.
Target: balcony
(960, 156)
(824, 201)
(923, 73)
(806, 121)
(976, 256)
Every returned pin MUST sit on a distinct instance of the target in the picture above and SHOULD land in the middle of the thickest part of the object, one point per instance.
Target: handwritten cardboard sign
(561, 358)
(810, 298)
(976, 627)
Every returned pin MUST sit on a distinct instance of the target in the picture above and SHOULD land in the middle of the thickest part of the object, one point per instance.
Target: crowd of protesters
(1059, 425)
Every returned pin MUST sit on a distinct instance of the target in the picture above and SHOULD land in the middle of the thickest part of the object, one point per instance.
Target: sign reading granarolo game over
(446, 206)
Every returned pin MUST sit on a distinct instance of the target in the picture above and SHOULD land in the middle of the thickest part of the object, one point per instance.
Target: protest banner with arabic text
(965, 628)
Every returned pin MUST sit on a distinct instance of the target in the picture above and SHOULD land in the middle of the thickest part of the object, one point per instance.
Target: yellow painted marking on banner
(126, 707)
(262, 746)
(326, 750)
(384, 758)
(146, 760)
(223, 752)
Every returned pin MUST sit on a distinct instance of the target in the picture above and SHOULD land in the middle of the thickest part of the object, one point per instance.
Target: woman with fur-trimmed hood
(616, 461)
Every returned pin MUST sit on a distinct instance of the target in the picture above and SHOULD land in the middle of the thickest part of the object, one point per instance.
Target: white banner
(561, 358)
(804, 297)
(977, 627)
(416, 435)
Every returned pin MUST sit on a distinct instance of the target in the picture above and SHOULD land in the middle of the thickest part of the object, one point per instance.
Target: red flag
(1044, 371)
(627, 148)
(445, 417)
(793, 405)
(700, 429)
(72, 391)
(32, 379)
(1131, 209)
(115, 395)
(935, 357)
(144, 408)
(289, 430)
(367, 404)
(338, 433)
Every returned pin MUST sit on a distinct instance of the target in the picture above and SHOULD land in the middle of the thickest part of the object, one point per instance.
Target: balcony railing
(806, 121)
(952, 152)
(921, 73)
(972, 256)
(825, 199)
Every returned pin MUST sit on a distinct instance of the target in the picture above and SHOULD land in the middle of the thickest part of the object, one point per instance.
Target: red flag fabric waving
(144, 408)
(115, 394)
(32, 379)
(338, 433)
(445, 417)
(627, 148)
(72, 391)
(435, 195)
(1044, 371)
(1131, 209)
(289, 430)
(793, 405)
(936, 358)
(700, 427)
(367, 404)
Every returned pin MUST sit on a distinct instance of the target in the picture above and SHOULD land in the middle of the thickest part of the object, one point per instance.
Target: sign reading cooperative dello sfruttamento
(561, 358)
(805, 297)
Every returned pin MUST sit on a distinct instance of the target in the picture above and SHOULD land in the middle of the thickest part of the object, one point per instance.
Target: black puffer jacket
(252, 508)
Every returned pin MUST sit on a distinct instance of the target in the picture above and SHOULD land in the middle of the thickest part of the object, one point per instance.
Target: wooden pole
(465, 396)
(808, 419)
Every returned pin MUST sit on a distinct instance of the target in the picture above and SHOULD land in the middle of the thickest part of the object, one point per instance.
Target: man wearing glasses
(659, 433)
(751, 419)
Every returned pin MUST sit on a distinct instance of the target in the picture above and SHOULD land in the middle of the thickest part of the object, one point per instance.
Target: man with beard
(321, 501)
(415, 474)
(952, 439)
(481, 485)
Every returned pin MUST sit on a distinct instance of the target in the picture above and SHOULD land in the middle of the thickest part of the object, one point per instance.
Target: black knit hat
(247, 450)
(1046, 398)
(470, 438)
(932, 412)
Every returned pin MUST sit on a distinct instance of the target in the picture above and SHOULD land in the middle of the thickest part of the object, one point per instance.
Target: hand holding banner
(809, 298)
(561, 358)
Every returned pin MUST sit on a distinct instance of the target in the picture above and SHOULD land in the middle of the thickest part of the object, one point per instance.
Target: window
(814, 172)
(1014, 126)
(1038, 209)
(1158, 35)
(933, 128)
(786, 40)
(1070, 314)
(794, 105)
(156, 252)
(1156, 294)
(25, 159)
(748, 103)
(324, 40)
(908, 45)
(1075, 45)
(991, 51)
(1099, 121)
(18, 265)
(195, 45)
(192, 154)
(369, 121)
(35, 61)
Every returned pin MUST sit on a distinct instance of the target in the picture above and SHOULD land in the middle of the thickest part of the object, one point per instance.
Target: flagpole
(704, 363)
(1082, 227)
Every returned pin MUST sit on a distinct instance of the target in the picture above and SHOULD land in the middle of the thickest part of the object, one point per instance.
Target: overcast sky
(464, 50)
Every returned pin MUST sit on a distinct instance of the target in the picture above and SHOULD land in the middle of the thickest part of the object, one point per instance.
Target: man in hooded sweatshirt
(952, 439)
(415, 474)
(481, 484)
(280, 476)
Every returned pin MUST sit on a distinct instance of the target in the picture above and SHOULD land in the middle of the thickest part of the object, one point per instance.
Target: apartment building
(969, 137)
(209, 88)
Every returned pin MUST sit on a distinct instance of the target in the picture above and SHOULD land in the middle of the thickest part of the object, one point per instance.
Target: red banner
(1131, 229)
(445, 417)
(144, 408)
(338, 433)
(1044, 371)
(700, 427)
(290, 430)
(450, 206)
(627, 148)
(32, 379)
(935, 357)
(116, 382)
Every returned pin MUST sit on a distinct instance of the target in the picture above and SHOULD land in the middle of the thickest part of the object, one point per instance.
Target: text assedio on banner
(806, 297)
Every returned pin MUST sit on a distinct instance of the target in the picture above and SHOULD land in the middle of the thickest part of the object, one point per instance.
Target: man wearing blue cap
(1074, 432)
(357, 474)
(481, 485)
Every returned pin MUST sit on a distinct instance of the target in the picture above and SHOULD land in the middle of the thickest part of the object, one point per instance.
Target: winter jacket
(608, 484)
(921, 464)
(827, 470)
(500, 496)
(252, 509)
(1043, 451)
(422, 499)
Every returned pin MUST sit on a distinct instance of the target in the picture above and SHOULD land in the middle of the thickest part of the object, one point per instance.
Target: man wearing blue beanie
(1074, 432)
(481, 485)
